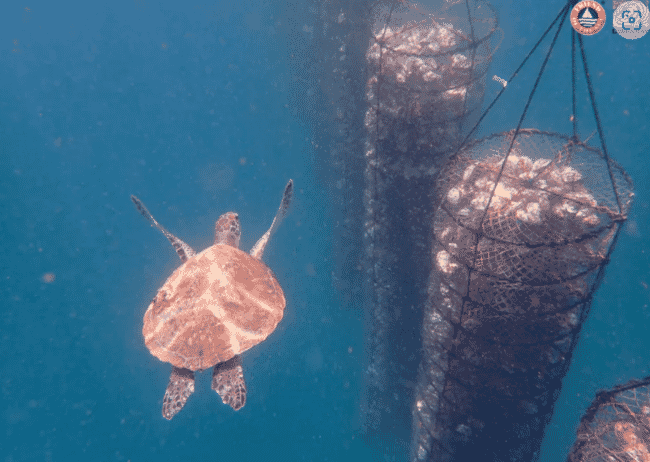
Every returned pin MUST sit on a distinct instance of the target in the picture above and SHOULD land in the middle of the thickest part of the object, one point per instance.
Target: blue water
(189, 107)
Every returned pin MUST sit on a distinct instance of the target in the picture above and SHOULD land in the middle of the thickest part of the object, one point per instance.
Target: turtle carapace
(216, 305)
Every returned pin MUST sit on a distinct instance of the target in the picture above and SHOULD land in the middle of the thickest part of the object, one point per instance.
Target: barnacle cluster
(634, 447)
(419, 57)
(526, 191)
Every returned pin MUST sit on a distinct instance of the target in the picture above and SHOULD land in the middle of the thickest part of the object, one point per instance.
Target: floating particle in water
(48, 278)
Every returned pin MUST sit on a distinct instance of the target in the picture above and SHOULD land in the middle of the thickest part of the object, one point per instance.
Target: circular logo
(631, 20)
(588, 18)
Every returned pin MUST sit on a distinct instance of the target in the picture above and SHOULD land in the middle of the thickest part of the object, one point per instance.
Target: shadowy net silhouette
(520, 241)
(426, 75)
(616, 427)
(426, 78)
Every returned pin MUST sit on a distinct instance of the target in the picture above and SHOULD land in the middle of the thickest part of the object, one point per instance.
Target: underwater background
(192, 107)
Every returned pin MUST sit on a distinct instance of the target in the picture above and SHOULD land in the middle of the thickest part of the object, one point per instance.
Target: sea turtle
(216, 305)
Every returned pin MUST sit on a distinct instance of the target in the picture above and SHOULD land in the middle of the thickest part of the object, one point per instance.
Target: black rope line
(514, 137)
(573, 85)
(514, 74)
(599, 127)
(474, 48)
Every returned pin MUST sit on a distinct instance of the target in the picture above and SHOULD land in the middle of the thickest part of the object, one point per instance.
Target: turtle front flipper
(183, 250)
(258, 248)
(179, 388)
(228, 382)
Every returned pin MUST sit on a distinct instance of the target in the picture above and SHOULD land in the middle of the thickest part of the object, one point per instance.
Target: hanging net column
(426, 77)
(520, 242)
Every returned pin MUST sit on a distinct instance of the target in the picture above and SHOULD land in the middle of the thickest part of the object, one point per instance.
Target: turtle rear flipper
(179, 388)
(228, 382)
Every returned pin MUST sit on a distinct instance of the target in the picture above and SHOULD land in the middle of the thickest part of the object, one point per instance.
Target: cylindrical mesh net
(616, 427)
(426, 77)
(518, 250)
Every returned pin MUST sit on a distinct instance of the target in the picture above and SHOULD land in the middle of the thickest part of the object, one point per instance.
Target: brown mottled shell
(218, 304)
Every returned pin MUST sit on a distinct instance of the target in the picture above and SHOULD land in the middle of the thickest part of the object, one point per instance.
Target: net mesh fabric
(426, 75)
(616, 427)
(518, 250)
(425, 81)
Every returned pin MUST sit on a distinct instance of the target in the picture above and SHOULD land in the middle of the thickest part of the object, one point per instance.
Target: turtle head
(227, 230)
